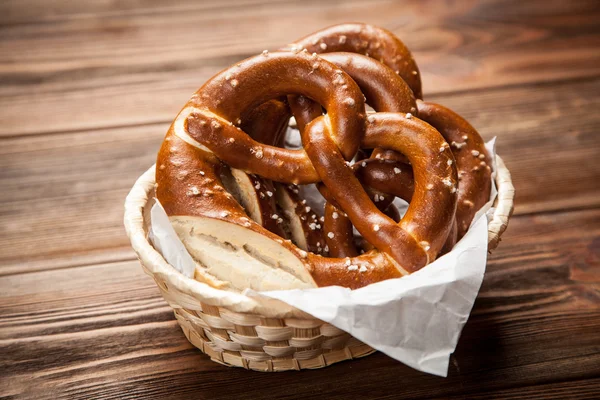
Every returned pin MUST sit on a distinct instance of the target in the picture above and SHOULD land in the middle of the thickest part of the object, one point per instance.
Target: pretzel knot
(226, 180)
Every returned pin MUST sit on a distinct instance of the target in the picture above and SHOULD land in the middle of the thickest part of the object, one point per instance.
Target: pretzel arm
(266, 124)
(378, 43)
(384, 90)
(421, 233)
(472, 159)
(209, 126)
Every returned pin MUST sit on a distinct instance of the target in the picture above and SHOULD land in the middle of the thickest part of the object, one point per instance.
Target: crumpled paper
(416, 319)
(166, 242)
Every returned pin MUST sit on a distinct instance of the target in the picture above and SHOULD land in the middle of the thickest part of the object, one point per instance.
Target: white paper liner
(165, 240)
(416, 319)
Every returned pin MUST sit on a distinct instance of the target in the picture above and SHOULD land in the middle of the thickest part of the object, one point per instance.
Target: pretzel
(237, 251)
(475, 171)
(368, 40)
(305, 226)
(217, 164)
(472, 159)
(384, 91)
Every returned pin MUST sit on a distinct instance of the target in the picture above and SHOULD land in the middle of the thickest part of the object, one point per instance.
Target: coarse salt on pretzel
(217, 164)
(384, 91)
(472, 159)
(474, 173)
(375, 42)
(231, 248)
(255, 194)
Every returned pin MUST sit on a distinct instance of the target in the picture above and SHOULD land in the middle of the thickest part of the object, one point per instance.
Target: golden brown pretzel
(204, 135)
(266, 123)
(474, 172)
(384, 91)
(256, 80)
(472, 160)
(421, 246)
(361, 39)
(383, 180)
(416, 240)
(375, 42)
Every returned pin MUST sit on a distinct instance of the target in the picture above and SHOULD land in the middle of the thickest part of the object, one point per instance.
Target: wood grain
(141, 66)
(577, 389)
(35, 11)
(74, 216)
(87, 91)
(102, 331)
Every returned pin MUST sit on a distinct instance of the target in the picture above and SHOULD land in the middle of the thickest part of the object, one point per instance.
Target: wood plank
(579, 389)
(63, 205)
(116, 69)
(102, 331)
(87, 90)
(35, 11)
(62, 194)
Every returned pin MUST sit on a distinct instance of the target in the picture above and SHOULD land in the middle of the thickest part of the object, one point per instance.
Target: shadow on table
(479, 351)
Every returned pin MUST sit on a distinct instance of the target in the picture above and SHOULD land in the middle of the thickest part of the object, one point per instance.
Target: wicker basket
(257, 333)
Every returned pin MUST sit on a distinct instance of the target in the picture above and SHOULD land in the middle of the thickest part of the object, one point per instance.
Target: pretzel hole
(276, 210)
(292, 139)
(281, 209)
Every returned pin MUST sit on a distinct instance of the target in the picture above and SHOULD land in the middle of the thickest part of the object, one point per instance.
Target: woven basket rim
(155, 265)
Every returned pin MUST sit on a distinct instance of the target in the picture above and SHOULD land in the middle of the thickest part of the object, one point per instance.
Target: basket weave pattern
(255, 342)
(262, 335)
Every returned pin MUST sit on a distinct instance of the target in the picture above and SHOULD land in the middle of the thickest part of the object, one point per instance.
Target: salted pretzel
(472, 159)
(384, 91)
(471, 156)
(368, 40)
(205, 143)
(369, 74)
(371, 41)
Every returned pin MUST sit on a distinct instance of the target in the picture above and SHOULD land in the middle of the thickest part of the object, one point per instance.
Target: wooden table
(88, 91)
